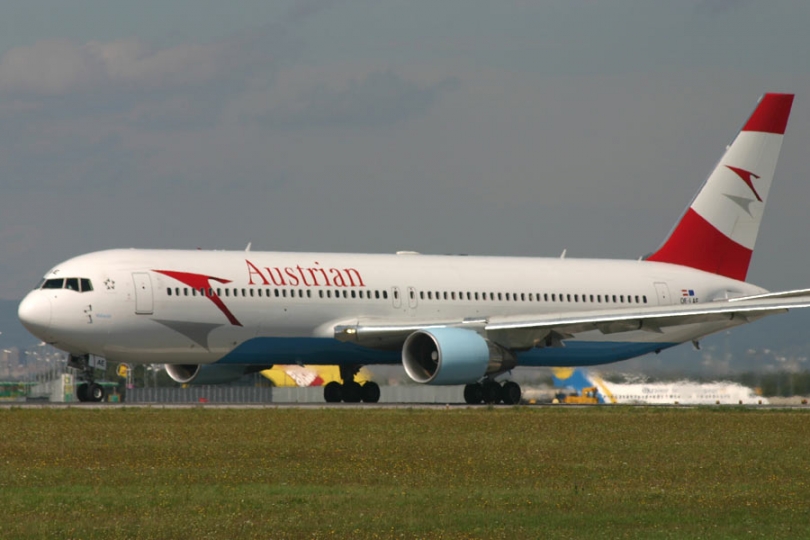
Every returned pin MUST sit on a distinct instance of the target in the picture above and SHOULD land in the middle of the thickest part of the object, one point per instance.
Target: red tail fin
(718, 231)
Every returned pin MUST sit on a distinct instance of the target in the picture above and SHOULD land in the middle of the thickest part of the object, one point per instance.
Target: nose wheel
(87, 390)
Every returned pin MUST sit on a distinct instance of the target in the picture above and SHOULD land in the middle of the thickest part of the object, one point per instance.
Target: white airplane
(680, 392)
(212, 316)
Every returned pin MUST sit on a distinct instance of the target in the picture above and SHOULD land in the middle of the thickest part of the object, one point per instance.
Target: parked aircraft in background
(213, 316)
(282, 376)
(678, 392)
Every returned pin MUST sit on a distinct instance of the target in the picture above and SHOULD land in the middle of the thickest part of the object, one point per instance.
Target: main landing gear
(351, 391)
(86, 387)
(491, 392)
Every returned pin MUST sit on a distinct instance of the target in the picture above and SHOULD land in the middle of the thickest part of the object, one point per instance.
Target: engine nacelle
(452, 356)
(204, 373)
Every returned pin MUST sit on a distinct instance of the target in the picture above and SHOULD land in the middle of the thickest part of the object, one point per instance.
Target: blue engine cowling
(452, 356)
(204, 373)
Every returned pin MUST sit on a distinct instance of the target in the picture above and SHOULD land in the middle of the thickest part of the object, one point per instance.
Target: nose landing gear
(87, 390)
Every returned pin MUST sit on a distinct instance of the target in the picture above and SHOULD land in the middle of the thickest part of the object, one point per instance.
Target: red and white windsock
(719, 229)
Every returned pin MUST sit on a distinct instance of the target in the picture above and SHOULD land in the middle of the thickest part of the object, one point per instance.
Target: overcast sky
(496, 128)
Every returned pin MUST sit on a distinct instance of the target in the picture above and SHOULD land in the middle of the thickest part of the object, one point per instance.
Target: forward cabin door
(143, 293)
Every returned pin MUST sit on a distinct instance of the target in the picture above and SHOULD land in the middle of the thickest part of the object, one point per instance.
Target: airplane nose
(35, 313)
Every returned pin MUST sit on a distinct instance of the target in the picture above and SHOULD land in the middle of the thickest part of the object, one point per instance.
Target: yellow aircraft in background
(294, 375)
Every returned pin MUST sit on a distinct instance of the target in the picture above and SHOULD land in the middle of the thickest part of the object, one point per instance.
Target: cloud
(59, 67)
(180, 87)
(381, 98)
(54, 67)
(50, 67)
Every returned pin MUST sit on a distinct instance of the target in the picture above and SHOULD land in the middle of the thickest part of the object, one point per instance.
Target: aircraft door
(396, 299)
(411, 297)
(143, 293)
(663, 294)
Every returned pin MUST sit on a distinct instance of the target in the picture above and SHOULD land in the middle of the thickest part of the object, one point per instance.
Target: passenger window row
(532, 297)
(423, 295)
(276, 293)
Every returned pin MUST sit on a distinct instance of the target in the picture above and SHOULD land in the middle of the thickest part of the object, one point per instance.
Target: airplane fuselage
(213, 316)
(263, 308)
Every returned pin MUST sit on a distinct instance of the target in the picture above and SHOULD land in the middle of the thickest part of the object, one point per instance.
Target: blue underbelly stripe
(327, 351)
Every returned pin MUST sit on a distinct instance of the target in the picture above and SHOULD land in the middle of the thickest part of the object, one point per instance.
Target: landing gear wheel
(492, 393)
(333, 392)
(370, 392)
(352, 392)
(511, 393)
(81, 392)
(473, 394)
(96, 393)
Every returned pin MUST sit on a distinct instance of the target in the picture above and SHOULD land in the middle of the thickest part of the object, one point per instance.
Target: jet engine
(204, 373)
(452, 356)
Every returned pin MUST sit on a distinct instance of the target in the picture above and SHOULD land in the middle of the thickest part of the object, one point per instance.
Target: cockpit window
(39, 285)
(71, 284)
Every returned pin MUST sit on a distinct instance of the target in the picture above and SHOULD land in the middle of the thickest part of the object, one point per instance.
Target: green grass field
(609, 472)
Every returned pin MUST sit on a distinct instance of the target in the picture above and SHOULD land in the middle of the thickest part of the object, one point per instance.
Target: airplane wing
(549, 330)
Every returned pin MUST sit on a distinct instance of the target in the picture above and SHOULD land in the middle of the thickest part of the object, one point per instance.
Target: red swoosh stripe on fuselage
(201, 281)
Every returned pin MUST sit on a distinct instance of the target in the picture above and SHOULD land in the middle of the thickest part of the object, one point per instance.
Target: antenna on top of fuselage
(248, 246)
